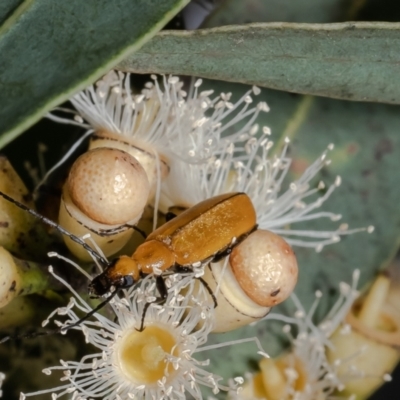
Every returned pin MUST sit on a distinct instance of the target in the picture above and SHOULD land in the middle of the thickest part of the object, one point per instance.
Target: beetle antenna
(64, 328)
(209, 290)
(53, 224)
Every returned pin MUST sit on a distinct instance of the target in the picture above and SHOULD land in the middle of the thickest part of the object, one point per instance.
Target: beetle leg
(228, 250)
(161, 287)
(169, 215)
(205, 284)
(222, 254)
(163, 290)
(173, 212)
(182, 270)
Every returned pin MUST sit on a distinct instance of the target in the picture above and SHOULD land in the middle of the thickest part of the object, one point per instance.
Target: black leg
(205, 284)
(169, 216)
(222, 254)
(228, 250)
(163, 291)
(161, 287)
(182, 270)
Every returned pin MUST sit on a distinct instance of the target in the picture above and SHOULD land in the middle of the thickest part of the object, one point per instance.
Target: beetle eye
(127, 281)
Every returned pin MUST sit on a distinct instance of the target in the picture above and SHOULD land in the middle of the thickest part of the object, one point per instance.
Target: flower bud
(278, 378)
(106, 192)
(142, 152)
(261, 272)
(265, 267)
(368, 351)
(21, 278)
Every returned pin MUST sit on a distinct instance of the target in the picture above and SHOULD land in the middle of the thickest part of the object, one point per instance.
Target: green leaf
(7, 7)
(232, 12)
(55, 48)
(352, 61)
(365, 156)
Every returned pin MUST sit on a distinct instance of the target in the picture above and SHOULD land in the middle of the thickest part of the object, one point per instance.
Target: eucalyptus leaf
(231, 12)
(7, 7)
(53, 48)
(366, 138)
(352, 61)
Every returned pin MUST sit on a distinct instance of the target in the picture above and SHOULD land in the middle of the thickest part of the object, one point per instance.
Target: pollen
(143, 356)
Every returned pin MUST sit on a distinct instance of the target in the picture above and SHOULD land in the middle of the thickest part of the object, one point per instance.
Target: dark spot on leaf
(364, 194)
(383, 147)
(352, 148)
(366, 172)
(12, 287)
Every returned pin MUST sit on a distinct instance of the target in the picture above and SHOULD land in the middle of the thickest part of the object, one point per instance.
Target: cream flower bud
(21, 278)
(106, 192)
(265, 267)
(260, 273)
(155, 168)
(109, 186)
(368, 351)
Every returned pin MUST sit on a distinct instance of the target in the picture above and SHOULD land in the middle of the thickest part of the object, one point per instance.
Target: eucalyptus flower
(160, 125)
(304, 371)
(162, 118)
(197, 151)
(156, 363)
(247, 166)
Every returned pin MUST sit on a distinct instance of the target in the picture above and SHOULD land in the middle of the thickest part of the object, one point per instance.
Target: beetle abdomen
(207, 228)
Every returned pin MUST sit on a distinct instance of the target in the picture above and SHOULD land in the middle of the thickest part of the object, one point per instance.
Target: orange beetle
(203, 233)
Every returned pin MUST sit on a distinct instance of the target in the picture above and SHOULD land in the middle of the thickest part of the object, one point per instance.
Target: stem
(374, 301)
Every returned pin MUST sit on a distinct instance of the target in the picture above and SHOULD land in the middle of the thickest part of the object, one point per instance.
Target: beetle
(201, 234)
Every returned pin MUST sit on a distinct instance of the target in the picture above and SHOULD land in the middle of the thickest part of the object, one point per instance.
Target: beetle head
(123, 272)
(100, 285)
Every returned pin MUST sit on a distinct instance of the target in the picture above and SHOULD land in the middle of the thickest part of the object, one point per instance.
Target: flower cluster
(156, 363)
(206, 155)
(188, 126)
(198, 153)
(304, 372)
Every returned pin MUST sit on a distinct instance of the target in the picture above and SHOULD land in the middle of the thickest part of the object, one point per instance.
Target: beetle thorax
(153, 256)
(124, 266)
